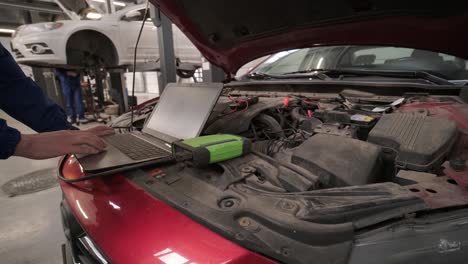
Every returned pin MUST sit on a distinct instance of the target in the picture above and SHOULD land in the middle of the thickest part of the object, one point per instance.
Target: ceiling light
(117, 3)
(93, 15)
(7, 31)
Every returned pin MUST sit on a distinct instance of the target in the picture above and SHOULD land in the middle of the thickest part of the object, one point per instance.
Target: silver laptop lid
(182, 110)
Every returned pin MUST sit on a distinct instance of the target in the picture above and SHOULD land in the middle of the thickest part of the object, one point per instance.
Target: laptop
(181, 113)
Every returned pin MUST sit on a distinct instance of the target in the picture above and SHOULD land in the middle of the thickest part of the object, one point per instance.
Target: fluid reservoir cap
(457, 164)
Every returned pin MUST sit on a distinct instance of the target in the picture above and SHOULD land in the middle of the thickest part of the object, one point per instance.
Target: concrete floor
(30, 225)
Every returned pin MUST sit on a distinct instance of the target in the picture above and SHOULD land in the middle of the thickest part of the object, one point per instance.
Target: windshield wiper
(393, 74)
(314, 71)
(265, 76)
(260, 76)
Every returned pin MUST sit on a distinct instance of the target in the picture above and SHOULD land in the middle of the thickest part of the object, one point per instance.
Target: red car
(363, 160)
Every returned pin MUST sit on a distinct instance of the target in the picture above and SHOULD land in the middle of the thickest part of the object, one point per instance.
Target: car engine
(342, 140)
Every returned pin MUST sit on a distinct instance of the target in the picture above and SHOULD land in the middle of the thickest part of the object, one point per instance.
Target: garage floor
(30, 225)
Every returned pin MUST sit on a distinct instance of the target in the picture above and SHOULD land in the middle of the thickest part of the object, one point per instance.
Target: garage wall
(145, 82)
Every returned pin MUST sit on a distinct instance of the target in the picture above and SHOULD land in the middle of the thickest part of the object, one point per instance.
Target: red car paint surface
(131, 226)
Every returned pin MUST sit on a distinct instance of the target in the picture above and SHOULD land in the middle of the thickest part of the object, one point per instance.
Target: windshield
(365, 58)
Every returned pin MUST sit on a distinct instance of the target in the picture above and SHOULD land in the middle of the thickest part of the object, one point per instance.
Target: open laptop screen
(182, 110)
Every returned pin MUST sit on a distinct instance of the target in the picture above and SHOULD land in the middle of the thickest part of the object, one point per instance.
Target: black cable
(134, 61)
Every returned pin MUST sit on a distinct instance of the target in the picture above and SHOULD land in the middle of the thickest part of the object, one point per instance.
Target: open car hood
(232, 33)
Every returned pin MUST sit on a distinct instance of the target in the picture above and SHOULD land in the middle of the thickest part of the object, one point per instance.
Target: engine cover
(419, 142)
(339, 161)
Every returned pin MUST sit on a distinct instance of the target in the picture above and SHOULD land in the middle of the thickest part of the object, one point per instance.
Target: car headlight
(52, 25)
(38, 28)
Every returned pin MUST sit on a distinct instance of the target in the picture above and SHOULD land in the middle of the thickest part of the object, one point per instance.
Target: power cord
(134, 61)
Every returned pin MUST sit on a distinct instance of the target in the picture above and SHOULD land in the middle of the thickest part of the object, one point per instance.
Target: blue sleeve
(9, 138)
(24, 100)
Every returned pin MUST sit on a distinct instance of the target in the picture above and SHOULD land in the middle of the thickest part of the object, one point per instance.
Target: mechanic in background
(21, 98)
(71, 88)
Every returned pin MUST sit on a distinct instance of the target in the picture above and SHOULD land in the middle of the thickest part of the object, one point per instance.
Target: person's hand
(101, 131)
(54, 144)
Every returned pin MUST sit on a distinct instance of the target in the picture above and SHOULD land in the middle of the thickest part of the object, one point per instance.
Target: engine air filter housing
(419, 142)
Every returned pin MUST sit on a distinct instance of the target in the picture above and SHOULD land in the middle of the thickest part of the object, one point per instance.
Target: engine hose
(268, 147)
(297, 116)
(271, 123)
(280, 118)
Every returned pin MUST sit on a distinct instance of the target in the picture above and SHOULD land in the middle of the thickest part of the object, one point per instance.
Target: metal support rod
(110, 6)
(166, 48)
(118, 91)
(99, 86)
(212, 73)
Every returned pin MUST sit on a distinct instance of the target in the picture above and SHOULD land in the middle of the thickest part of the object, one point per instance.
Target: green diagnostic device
(210, 149)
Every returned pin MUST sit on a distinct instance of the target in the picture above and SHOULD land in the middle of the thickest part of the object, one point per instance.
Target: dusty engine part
(336, 130)
(339, 161)
(310, 124)
(416, 142)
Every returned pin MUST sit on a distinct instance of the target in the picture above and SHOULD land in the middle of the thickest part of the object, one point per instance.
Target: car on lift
(363, 160)
(106, 41)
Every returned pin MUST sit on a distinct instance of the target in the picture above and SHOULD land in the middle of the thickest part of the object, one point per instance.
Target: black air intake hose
(274, 128)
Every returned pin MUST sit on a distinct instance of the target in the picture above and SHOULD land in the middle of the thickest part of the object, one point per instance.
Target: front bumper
(43, 49)
(78, 248)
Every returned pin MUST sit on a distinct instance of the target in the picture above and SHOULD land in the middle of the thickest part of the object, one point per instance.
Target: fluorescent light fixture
(117, 3)
(7, 31)
(93, 15)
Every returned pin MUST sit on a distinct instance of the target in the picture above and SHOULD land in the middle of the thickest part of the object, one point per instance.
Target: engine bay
(349, 139)
(324, 168)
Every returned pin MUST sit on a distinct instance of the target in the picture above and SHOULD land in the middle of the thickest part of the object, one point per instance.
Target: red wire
(247, 105)
(236, 101)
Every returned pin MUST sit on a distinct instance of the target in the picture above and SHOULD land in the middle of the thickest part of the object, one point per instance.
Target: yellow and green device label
(210, 149)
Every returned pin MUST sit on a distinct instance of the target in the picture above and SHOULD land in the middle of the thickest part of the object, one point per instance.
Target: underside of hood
(232, 33)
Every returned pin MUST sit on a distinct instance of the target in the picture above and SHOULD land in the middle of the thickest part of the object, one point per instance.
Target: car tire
(185, 74)
(89, 49)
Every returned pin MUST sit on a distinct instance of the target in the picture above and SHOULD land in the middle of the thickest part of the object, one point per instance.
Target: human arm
(59, 143)
(24, 100)
(21, 98)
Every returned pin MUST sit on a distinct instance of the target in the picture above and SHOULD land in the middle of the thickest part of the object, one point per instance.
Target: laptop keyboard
(135, 148)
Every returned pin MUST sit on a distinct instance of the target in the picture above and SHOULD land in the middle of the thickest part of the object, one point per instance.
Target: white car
(108, 42)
